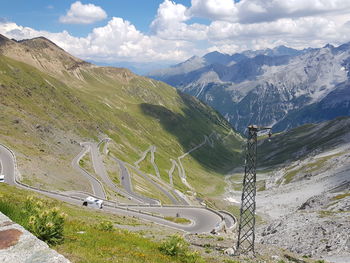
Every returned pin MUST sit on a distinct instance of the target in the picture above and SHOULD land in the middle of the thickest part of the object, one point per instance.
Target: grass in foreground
(90, 236)
(85, 239)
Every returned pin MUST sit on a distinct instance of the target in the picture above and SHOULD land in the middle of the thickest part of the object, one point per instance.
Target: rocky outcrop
(319, 229)
(17, 245)
(310, 234)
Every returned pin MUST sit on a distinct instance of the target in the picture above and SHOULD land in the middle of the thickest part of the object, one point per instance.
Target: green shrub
(191, 257)
(176, 246)
(8, 209)
(230, 261)
(105, 226)
(46, 224)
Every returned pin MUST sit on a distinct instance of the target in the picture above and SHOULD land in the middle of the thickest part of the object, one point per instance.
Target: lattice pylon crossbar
(246, 234)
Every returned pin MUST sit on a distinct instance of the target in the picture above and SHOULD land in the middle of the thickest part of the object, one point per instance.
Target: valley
(71, 129)
(110, 103)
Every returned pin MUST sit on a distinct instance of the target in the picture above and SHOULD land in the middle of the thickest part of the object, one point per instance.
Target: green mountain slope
(304, 141)
(51, 101)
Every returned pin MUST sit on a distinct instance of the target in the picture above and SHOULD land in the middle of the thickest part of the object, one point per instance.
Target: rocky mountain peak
(4, 40)
(343, 47)
(328, 46)
(193, 59)
(217, 57)
(40, 43)
(2, 37)
(43, 54)
(271, 86)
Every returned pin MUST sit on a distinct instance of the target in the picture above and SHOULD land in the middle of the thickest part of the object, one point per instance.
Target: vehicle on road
(93, 202)
(2, 178)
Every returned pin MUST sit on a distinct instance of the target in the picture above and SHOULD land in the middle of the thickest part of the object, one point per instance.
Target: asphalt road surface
(126, 183)
(170, 196)
(202, 220)
(7, 165)
(96, 185)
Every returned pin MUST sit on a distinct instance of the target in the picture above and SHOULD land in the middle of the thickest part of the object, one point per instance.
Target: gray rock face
(308, 234)
(283, 88)
(320, 228)
(26, 248)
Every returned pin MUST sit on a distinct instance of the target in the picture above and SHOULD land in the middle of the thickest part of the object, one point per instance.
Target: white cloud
(169, 19)
(174, 38)
(62, 39)
(256, 24)
(169, 13)
(298, 33)
(118, 41)
(83, 14)
(255, 11)
(225, 48)
(214, 9)
(169, 23)
(182, 31)
(273, 21)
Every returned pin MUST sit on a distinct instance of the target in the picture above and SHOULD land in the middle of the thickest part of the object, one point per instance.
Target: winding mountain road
(126, 183)
(100, 170)
(202, 220)
(96, 185)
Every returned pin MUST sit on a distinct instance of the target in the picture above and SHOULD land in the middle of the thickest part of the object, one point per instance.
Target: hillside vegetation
(303, 141)
(51, 101)
(91, 236)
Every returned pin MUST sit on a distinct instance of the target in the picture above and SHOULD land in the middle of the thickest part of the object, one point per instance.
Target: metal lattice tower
(246, 230)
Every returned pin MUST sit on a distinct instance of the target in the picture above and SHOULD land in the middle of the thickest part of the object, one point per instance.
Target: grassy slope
(83, 241)
(45, 116)
(302, 141)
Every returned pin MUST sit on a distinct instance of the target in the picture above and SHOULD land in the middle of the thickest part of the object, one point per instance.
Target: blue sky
(44, 15)
(165, 31)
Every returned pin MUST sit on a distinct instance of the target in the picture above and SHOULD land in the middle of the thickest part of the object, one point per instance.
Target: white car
(93, 202)
(2, 178)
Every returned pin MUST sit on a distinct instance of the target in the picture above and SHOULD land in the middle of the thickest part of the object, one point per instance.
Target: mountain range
(280, 87)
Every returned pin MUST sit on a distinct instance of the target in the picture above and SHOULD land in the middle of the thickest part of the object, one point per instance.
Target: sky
(168, 32)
